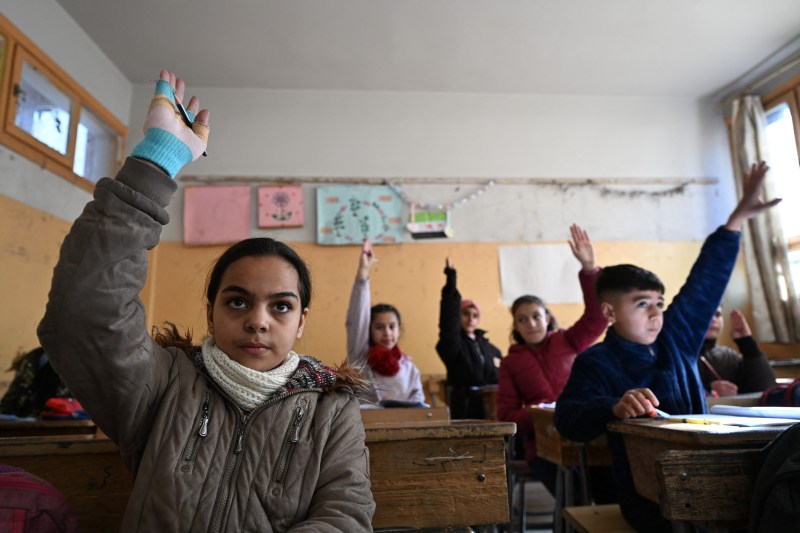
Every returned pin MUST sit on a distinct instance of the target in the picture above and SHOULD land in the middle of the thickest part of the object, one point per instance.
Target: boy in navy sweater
(648, 358)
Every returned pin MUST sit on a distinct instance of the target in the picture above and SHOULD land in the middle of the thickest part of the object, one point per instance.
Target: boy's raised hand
(448, 265)
(366, 260)
(751, 204)
(582, 248)
(169, 143)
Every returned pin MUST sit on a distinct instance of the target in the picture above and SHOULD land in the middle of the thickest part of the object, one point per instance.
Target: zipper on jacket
(292, 437)
(232, 460)
(202, 430)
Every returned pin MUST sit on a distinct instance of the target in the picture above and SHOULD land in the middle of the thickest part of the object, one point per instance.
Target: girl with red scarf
(372, 335)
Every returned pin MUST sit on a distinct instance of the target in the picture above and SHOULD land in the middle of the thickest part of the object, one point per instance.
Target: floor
(539, 506)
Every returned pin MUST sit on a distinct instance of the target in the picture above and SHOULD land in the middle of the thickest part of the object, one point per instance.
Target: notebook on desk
(758, 411)
(730, 420)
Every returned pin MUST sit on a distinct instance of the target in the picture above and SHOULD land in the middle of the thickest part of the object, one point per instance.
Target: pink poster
(216, 215)
(280, 206)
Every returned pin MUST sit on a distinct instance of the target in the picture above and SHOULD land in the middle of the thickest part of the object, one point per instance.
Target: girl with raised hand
(239, 434)
(372, 337)
(539, 362)
(470, 358)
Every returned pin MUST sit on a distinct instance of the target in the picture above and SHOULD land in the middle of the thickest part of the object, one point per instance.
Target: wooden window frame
(19, 48)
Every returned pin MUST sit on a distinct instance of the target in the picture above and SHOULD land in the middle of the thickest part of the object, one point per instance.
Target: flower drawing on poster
(348, 215)
(280, 206)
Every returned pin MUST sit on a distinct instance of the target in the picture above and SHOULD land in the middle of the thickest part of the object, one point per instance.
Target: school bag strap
(783, 394)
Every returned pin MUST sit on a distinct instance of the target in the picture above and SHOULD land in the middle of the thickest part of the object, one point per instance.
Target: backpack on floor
(29, 504)
(784, 395)
(775, 506)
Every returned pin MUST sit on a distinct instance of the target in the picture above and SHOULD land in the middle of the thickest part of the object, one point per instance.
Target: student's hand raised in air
(751, 204)
(635, 402)
(739, 326)
(582, 248)
(169, 142)
(366, 260)
(448, 265)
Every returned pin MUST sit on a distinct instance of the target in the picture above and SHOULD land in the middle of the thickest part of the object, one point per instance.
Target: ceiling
(647, 48)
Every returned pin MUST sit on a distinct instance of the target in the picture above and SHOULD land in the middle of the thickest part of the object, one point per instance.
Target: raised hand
(169, 142)
(739, 326)
(751, 204)
(448, 265)
(366, 260)
(582, 248)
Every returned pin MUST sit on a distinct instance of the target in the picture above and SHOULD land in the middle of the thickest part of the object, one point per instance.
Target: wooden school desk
(33, 428)
(438, 474)
(425, 474)
(698, 473)
(88, 471)
(566, 454)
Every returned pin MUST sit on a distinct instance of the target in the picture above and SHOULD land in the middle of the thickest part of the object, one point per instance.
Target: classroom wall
(263, 133)
(410, 276)
(384, 135)
(37, 206)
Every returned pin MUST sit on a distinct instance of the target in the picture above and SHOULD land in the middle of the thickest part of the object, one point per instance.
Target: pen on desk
(702, 421)
(185, 117)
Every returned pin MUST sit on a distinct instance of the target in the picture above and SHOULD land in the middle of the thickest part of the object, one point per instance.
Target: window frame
(18, 49)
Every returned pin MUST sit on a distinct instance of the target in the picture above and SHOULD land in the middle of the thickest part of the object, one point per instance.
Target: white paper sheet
(548, 271)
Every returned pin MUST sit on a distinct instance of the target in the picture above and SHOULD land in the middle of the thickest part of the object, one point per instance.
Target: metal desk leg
(558, 517)
(565, 492)
(583, 458)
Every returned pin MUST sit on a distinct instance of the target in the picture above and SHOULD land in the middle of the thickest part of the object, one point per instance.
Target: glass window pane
(96, 148)
(43, 110)
(783, 164)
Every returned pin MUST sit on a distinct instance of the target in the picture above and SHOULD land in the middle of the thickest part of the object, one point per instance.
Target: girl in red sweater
(539, 361)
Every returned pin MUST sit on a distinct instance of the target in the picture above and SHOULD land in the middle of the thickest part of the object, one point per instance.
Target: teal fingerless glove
(160, 146)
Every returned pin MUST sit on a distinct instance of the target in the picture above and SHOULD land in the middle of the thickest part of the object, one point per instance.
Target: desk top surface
(437, 429)
(28, 424)
(377, 432)
(696, 434)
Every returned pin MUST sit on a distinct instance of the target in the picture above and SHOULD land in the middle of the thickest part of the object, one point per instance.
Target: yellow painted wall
(29, 244)
(409, 276)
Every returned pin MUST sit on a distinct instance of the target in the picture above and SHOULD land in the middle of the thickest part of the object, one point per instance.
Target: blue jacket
(668, 367)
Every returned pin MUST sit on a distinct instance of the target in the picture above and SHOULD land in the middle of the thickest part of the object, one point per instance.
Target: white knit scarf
(249, 388)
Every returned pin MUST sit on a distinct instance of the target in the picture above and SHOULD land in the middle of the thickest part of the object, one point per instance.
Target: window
(783, 145)
(50, 119)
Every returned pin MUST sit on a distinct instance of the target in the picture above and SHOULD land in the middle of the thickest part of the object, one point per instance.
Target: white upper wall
(383, 135)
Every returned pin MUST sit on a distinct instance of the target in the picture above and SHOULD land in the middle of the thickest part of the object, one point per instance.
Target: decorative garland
(397, 189)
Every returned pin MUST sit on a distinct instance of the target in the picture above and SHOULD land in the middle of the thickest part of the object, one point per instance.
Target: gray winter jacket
(297, 463)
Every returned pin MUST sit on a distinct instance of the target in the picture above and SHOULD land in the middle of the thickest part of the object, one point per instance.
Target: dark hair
(259, 247)
(624, 279)
(168, 335)
(552, 324)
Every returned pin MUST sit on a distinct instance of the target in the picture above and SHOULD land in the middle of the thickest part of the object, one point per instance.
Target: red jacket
(529, 377)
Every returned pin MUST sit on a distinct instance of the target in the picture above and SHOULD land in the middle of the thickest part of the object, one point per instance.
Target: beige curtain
(766, 256)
